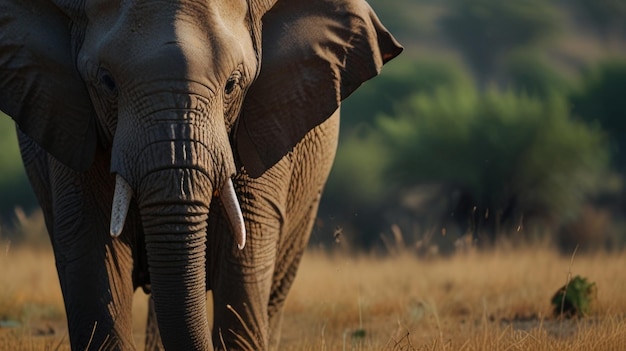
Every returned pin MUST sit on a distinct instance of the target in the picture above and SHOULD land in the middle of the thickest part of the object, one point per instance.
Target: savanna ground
(495, 299)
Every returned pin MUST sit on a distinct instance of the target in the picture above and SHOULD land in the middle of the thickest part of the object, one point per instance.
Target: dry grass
(474, 301)
(497, 300)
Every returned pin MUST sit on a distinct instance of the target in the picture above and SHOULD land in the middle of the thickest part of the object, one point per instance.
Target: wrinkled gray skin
(176, 97)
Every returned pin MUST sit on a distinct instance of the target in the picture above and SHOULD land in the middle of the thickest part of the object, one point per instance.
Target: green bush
(575, 299)
(356, 196)
(360, 163)
(509, 155)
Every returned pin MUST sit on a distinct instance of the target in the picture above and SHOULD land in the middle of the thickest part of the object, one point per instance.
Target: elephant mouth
(124, 193)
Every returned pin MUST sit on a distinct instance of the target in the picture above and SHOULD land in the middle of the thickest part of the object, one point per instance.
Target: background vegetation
(500, 119)
(14, 187)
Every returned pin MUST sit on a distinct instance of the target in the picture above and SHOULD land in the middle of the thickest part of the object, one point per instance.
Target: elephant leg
(95, 271)
(310, 165)
(153, 336)
(287, 262)
(279, 209)
(241, 288)
(35, 160)
(241, 280)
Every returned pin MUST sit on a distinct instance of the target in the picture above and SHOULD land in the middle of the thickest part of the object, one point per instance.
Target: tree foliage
(600, 100)
(503, 149)
(529, 72)
(485, 30)
(507, 154)
(608, 17)
(403, 77)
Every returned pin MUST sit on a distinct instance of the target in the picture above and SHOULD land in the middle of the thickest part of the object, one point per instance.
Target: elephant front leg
(153, 335)
(95, 271)
(290, 251)
(241, 280)
(308, 168)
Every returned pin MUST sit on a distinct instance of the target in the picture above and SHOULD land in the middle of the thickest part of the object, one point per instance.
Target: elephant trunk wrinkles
(177, 138)
(174, 180)
(123, 195)
(174, 211)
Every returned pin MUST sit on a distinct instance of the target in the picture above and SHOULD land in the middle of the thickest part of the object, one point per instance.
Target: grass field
(493, 300)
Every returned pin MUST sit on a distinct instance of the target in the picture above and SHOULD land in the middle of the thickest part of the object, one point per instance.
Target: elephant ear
(40, 87)
(314, 55)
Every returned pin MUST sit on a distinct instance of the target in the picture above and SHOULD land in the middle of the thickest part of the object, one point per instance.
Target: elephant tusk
(121, 201)
(233, 212)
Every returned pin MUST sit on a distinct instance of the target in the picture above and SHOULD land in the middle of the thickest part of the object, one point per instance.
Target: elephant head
(182, 95)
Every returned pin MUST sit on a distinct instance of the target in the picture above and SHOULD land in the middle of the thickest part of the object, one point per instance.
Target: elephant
(181, 147)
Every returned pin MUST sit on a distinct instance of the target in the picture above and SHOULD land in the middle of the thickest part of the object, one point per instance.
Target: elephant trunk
(123, 195)
(174, 216)
(189, 135)
(173, 174)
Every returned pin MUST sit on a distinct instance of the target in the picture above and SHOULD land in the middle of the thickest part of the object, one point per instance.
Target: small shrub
(575, 298)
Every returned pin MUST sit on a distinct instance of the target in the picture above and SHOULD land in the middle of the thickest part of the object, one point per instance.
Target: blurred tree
(485, 30)
(600, 100)
(397, 17)
(608, 17)
(403, 77)
(361, 159)
(356, 193)
(498, 157)
(510, 157)
(529, 72)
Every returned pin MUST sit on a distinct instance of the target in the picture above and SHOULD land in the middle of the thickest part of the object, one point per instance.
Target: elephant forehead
(214, 31)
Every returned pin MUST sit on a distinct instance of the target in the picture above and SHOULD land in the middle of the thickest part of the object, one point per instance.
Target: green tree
(608, 17)
(529, 72)
(510, 156)
(600, 100)
(403, 77)
(485, 30)
(356, 196)
(499, 157)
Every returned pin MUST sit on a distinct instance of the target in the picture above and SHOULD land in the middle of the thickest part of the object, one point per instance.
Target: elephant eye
(107, 81)
(232, 82)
